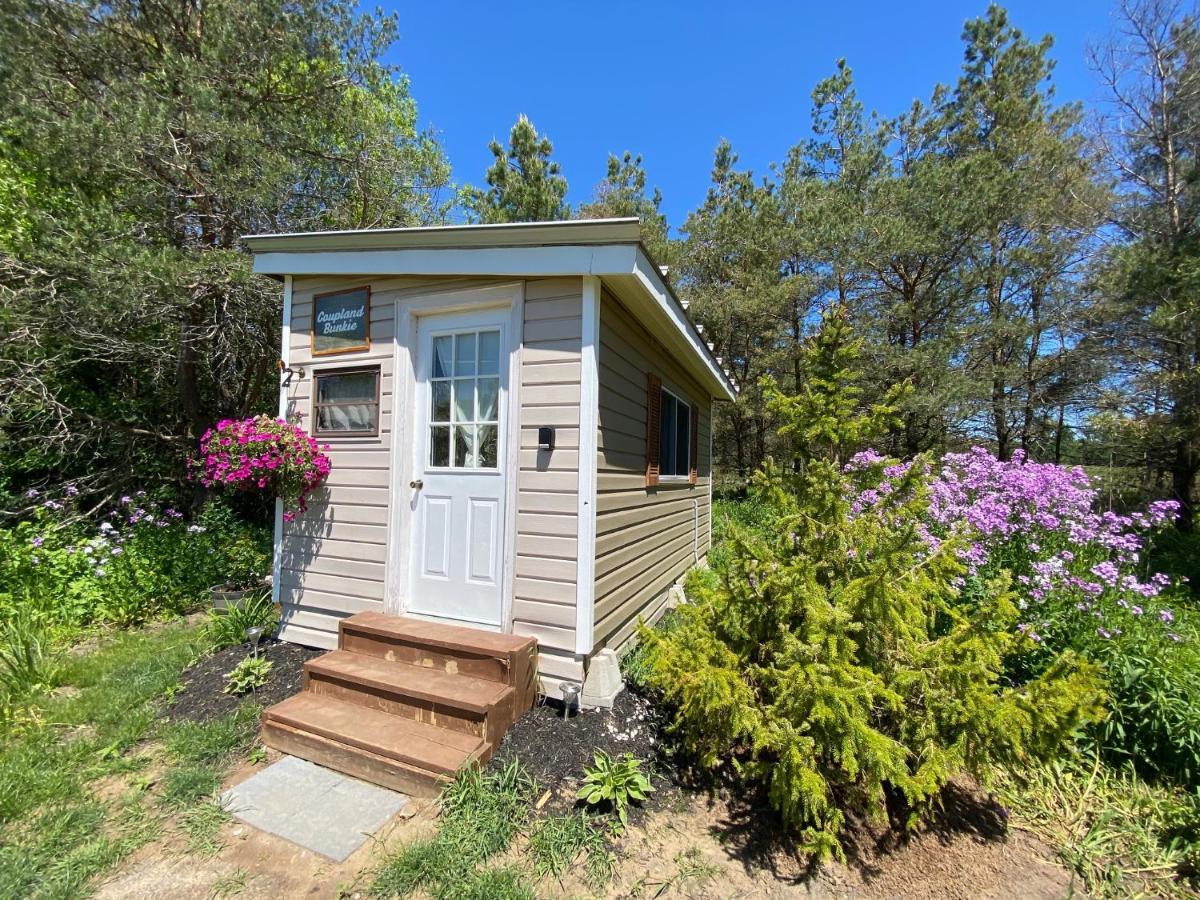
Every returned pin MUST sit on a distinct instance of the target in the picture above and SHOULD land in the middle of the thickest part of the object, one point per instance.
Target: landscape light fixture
(570, 695)
(254, 634)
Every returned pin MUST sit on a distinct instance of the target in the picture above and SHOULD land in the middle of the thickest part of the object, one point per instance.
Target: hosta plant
(263, 454)
(615, 782)
(248, 675)
(830, 659)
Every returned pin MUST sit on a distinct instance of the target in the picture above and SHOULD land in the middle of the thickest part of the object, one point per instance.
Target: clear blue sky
(669, 80)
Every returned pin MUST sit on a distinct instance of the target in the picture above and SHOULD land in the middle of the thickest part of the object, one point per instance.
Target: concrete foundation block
(603, 681)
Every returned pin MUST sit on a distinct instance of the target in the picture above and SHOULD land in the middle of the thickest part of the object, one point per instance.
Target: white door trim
(589, 414)
(284, 354)
(409, 307)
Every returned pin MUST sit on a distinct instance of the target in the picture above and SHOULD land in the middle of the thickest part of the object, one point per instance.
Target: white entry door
(457, 488)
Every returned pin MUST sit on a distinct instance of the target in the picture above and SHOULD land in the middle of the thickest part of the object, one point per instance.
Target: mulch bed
(554, 750)
(203, 698)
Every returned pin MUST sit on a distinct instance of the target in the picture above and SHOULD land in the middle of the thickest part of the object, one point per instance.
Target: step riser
(352, 761)
(418, 709)
(404, 651)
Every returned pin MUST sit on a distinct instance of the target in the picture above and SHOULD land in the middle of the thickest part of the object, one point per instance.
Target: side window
(675, 431)
(672, 435)
(346, 402)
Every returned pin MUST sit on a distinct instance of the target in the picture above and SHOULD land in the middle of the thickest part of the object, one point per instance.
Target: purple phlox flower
(33, 493)
(863, 460)
(116, 551)
(1166, 615)
(71, 490)
(38, 541)
(1106, 572)
(53, 505)
(1162, 511)
(1104, 633)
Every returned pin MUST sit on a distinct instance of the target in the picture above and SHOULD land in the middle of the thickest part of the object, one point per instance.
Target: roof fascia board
(651, 281)
(595, 231)
(614, 259)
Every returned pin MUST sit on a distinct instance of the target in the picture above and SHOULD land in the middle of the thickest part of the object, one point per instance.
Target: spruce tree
(830, 660)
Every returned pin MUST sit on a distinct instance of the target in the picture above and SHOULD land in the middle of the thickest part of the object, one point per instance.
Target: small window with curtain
(346, 402)
(675, 433)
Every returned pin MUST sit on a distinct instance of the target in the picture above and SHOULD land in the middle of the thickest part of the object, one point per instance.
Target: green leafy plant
(141, 559)
(248, 675)
(615, 782)
(829, 660)
(28, 662)
(228, 628)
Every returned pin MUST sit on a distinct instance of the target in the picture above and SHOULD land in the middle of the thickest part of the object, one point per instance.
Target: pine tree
(623, 193)
(524, 184)
(830, 659)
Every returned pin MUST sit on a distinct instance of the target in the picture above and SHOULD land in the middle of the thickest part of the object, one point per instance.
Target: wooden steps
(406, 703)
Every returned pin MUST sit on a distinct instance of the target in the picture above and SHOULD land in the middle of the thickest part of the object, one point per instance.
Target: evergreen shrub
(829, 659)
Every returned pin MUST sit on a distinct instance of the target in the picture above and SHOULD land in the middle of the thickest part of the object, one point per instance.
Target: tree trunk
(1183, 479)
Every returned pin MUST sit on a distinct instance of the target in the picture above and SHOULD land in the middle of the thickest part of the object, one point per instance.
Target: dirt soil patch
(707, 847)
(255, 865)
(203, 698)
(555, 750)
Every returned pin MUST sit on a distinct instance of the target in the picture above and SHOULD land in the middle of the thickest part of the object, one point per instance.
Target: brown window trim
(346, 370)
(653, 424)
(312, 324)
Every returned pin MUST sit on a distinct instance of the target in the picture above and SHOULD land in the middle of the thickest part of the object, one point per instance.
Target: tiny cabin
(519, 419)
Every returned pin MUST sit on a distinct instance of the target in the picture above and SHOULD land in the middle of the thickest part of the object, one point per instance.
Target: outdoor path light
(570, 695)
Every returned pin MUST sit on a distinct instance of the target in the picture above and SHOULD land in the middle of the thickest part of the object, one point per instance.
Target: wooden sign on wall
(341, 321)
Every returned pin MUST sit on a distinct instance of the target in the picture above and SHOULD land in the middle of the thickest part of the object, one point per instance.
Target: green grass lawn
(92, 771)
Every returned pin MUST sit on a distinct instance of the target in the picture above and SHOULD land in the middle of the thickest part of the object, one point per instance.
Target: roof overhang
(608, 248)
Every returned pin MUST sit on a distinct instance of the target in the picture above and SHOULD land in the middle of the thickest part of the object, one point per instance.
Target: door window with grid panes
(464, 407)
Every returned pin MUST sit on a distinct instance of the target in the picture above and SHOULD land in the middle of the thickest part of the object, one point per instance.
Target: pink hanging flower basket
(262, 454)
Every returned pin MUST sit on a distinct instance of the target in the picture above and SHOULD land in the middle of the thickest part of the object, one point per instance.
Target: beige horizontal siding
(334, 555)
(544, 585)
(646, 538)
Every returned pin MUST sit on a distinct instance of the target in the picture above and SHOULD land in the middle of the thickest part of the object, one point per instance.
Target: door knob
(416, 484)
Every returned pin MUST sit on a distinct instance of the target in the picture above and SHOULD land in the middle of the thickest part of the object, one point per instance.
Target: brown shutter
(653, 426)
(694, 471)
